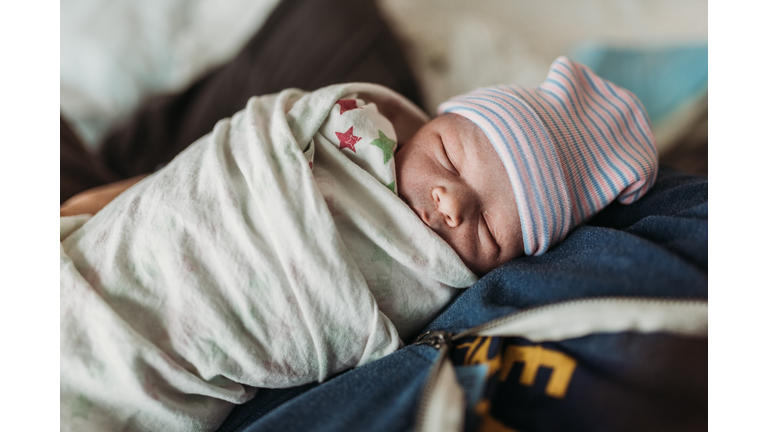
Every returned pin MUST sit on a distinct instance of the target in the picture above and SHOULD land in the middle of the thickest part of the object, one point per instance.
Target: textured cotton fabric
(570, 146)
(271, 253)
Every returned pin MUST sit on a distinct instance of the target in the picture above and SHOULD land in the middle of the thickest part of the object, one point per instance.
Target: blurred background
(115, 54)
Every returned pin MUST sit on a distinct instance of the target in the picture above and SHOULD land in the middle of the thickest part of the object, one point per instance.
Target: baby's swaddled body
(271, 253)
(275, 251)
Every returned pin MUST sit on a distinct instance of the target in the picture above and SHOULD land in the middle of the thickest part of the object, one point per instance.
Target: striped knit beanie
(570, 146)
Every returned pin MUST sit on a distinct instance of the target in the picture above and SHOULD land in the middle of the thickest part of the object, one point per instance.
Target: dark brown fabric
(79, 169)
(306, 44)
(690, 153)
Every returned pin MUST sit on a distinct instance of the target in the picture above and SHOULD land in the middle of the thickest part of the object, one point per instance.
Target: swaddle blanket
(271, 253)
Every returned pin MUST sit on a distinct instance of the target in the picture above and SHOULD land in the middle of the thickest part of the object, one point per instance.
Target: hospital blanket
(266, 255)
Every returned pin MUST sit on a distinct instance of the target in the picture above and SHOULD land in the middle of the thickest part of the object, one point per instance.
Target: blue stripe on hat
(593, 176)
(643, 143)
(610, 161)
(574, 151)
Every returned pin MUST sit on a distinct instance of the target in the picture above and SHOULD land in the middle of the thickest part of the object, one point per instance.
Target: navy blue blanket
(656, 247)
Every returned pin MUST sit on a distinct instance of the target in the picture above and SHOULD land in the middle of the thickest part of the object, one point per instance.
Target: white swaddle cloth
(267, 254)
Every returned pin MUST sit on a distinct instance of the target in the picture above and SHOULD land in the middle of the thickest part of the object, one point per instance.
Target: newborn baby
(299, 239)
(568, 148)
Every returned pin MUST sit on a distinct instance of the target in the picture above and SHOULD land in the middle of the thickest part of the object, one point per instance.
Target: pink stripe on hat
(570, 146)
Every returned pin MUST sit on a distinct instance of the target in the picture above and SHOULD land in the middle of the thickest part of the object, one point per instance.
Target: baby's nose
(449, 204)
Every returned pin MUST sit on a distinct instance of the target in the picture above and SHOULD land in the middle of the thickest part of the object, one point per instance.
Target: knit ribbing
(570, 147)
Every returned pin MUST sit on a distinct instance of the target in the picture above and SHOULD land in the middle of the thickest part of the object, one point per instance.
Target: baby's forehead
(464, 128)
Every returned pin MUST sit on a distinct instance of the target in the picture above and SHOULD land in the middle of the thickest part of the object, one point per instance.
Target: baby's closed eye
(485, 231)
(446, 160)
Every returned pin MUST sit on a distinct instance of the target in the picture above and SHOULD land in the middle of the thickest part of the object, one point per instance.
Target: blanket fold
(227, 271)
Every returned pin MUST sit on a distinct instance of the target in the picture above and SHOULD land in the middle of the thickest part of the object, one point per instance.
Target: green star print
(386, 145)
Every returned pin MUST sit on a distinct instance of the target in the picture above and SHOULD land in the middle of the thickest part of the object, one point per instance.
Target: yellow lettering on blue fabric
(534, 357)
(478, 353)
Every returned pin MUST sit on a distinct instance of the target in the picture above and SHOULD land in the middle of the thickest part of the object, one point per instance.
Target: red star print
(348, 140)
(347, 105)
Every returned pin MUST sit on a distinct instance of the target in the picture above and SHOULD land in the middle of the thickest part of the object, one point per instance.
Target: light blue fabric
(663, 78)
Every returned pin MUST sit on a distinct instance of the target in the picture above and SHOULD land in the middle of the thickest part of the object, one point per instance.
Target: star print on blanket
(346, 105)
(386, 145)
(357, 125)
(348, 139)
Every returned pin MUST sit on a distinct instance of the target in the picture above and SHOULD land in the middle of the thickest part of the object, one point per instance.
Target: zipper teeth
(429, 387)
(516, 316)
(445, 348)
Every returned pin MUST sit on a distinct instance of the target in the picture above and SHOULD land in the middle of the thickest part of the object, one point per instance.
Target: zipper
(443, 341)
(434, 371)
(435, 339)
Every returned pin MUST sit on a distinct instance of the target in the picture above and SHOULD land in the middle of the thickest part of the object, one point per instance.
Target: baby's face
(451, 176)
